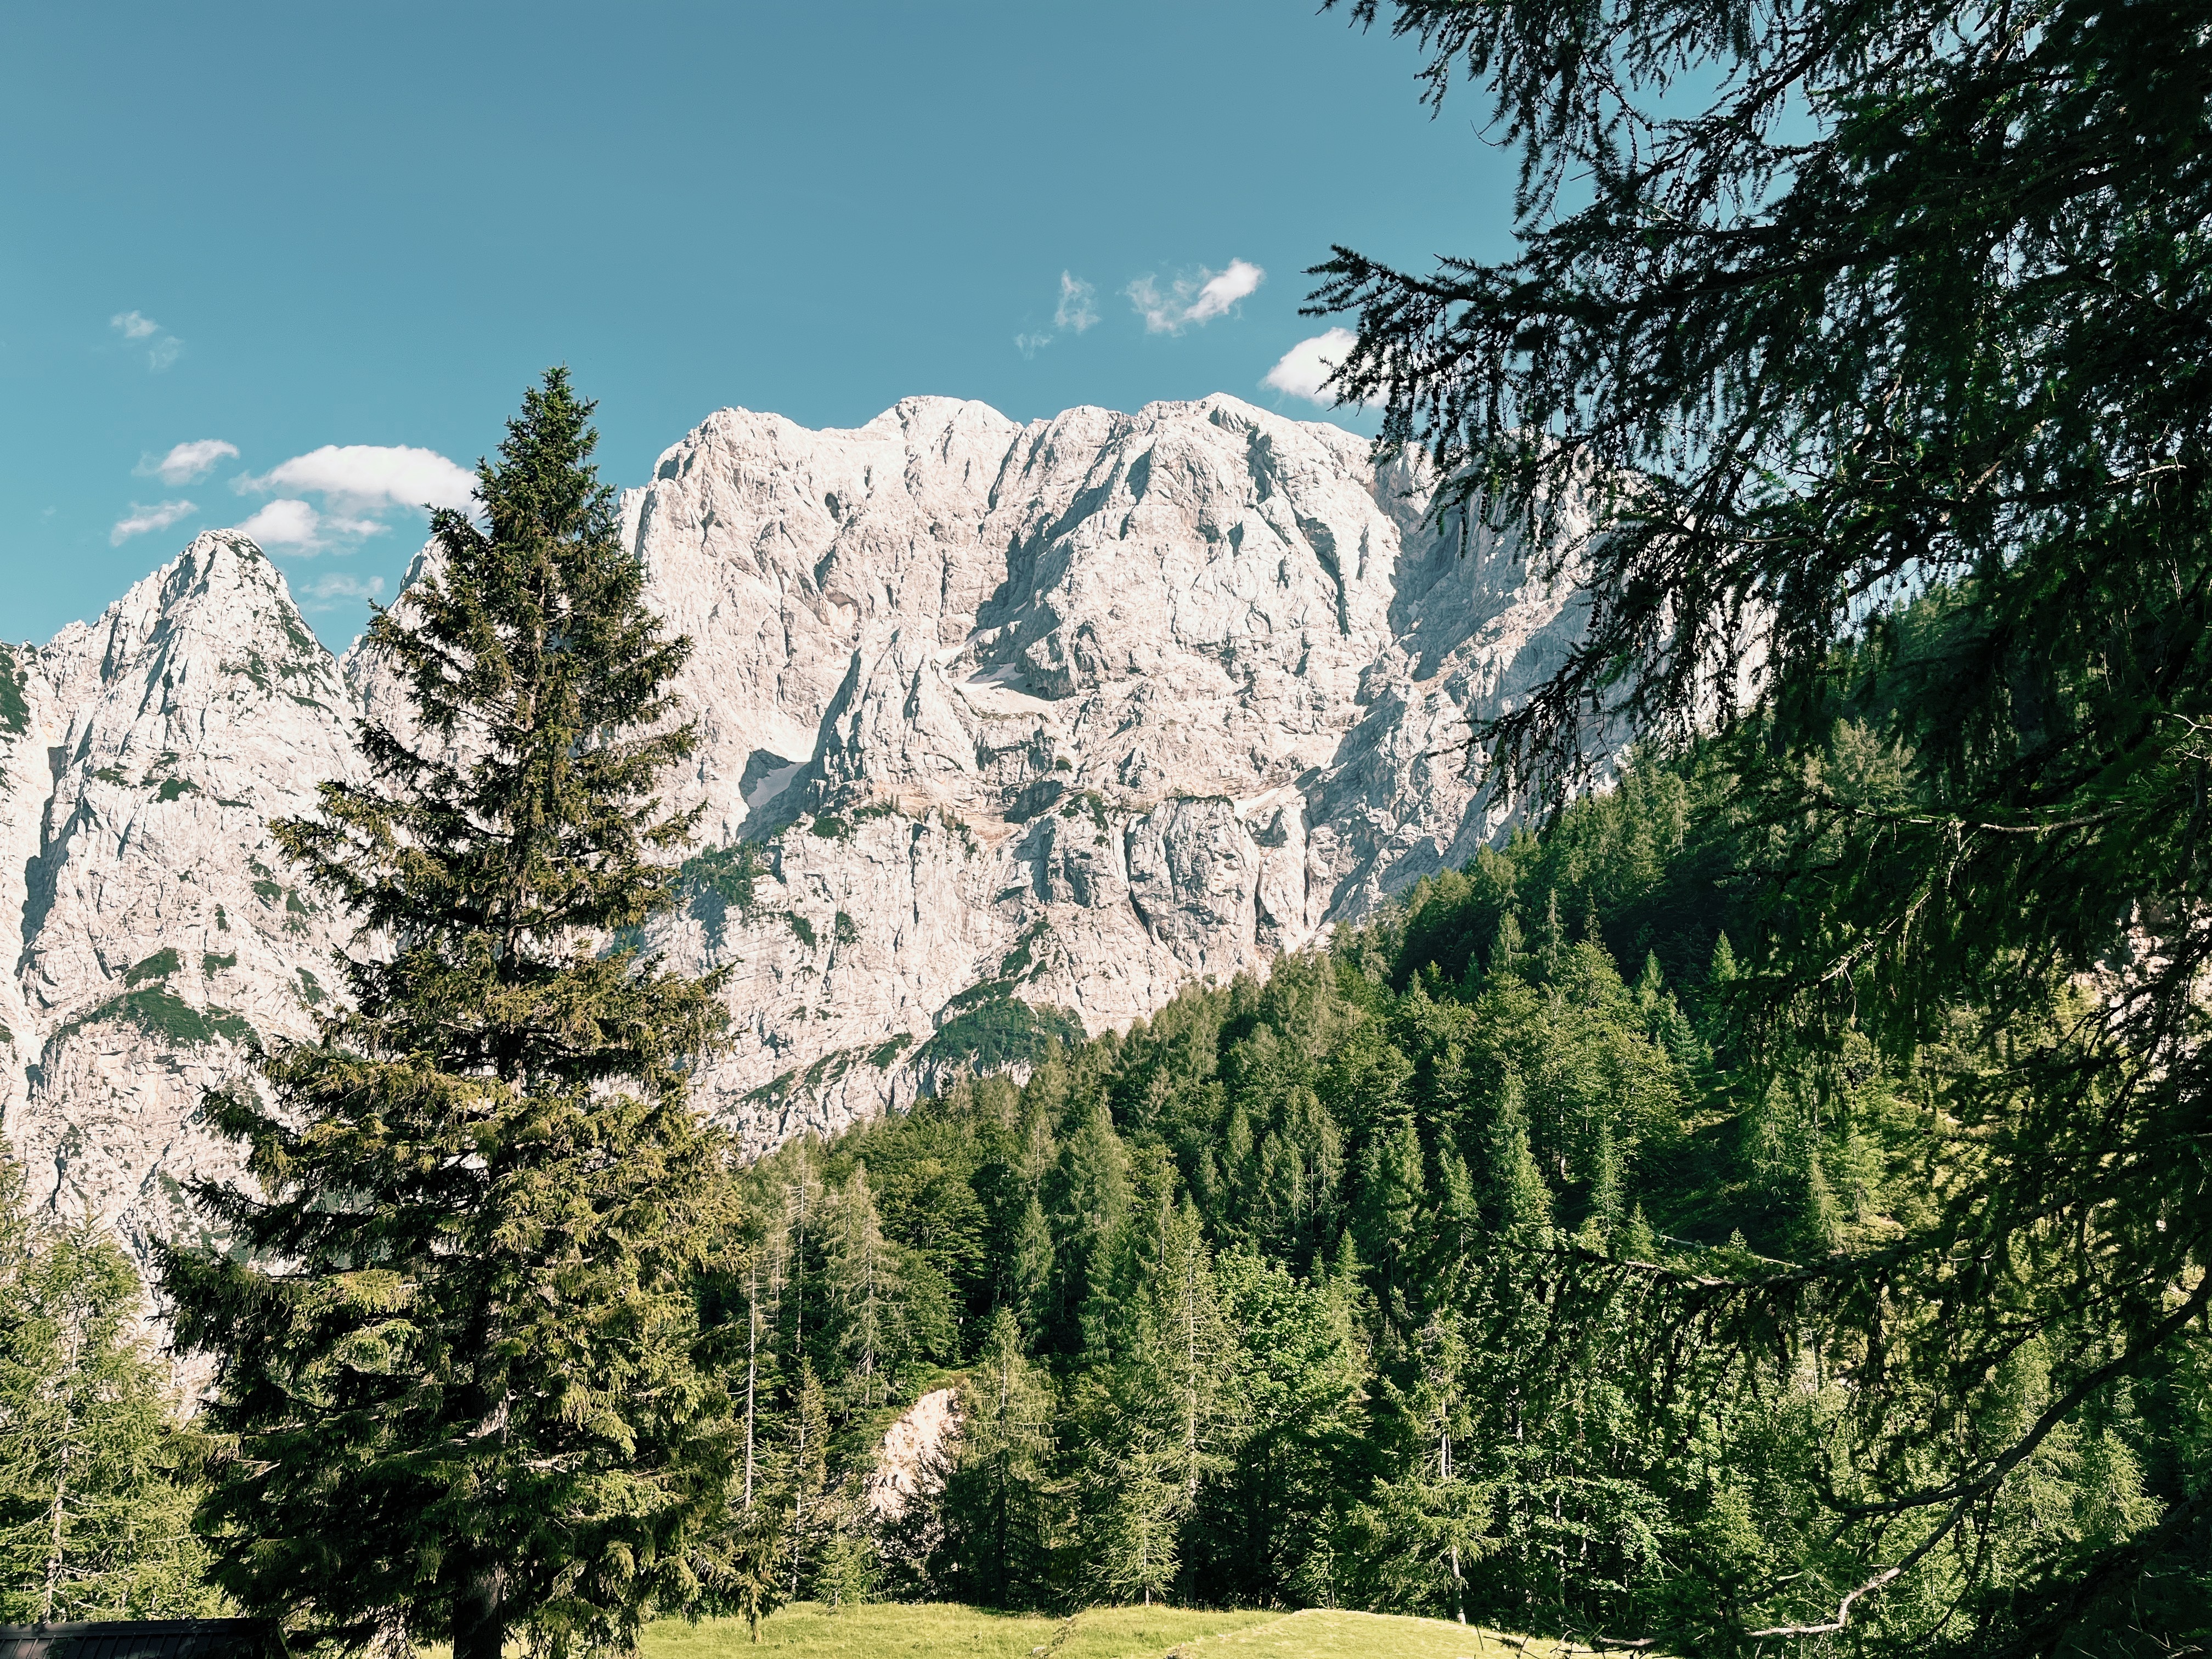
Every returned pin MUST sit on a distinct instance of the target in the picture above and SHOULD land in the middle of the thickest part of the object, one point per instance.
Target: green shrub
(162, 963)
(997, 1031)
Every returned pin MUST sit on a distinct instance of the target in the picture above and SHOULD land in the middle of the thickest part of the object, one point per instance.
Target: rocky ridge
(1007, 729)
(157, 929)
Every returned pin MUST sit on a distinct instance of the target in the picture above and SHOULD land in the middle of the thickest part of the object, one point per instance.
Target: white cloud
(188, 463)
(141, 518)
(362, 477)
(296, 526)
(137, 325)
(1308, 364)
(284, 524)
(1073, 314)
(1223, 289)
(1075, 310)
(1194, 299)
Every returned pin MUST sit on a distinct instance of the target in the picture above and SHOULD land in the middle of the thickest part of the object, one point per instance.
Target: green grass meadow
(944, 1630)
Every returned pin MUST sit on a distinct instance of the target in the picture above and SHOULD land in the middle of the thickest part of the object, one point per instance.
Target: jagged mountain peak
(997, 719)
(156, 928)
(221, 585)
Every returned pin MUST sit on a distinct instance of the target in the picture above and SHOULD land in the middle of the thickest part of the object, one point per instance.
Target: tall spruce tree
(455, 1341)
(863, 1294)
(1428, 1524)
(996, 1532)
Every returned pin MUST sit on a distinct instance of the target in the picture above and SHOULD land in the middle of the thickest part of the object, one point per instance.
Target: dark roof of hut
(144, 1638)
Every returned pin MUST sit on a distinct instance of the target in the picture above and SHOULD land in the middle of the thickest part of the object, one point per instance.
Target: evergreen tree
(1389, 1220)
(748, 1491)
(455, 1344)
(1132, 1500)
(1427, 1525)
(95, 1469)
(750, 1579)
(747, 1572)
(810, 1500)
(1523, 1200)
(1156, 1402)
(1271, 1513)
(996, 1537)
(1863, 344)
(1030, 1263)
(1091, 1191)
(863, 1293)
(1196, 1350)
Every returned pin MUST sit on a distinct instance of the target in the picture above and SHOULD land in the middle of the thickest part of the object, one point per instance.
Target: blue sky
(329, 244)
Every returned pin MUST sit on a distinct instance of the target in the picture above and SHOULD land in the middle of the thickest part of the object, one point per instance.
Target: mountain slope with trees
(1410, 1278)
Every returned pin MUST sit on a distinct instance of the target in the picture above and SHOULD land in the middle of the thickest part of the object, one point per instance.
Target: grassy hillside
(944, 1630)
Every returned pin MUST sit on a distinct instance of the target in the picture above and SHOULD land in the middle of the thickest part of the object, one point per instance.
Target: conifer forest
(1760, 1205)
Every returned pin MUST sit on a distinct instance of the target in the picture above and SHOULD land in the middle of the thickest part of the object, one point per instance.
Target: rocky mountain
(155, 927)
(1009, 730)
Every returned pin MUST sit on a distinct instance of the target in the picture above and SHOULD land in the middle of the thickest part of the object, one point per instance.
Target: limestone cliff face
(995, 718)
(1072, 712)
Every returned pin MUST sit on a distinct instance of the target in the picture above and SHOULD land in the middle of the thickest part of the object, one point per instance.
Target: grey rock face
(156, 927)
(1080, 710)
(1069, 711)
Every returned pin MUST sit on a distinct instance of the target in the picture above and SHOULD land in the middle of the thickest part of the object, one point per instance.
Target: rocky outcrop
(1005, 729)
(914, 1455)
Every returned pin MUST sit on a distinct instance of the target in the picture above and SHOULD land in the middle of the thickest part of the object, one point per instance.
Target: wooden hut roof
(145, 1639)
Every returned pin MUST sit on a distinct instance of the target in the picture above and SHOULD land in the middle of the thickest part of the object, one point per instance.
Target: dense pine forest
(1449, 1270)
(1461, 1268)
(1413, 1278)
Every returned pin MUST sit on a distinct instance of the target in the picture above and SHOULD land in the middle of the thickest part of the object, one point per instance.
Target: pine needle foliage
(96, 1470)
(457, 1344)
(1872, 338)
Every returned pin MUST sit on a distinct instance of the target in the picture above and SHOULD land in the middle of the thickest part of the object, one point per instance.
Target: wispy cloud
(297, 527)
(1305, 369)
(1075, 310)
(333, 588)
(1074, 313)
(362, 477)
(1192, 301)
(141, 518)
(136, 325)
(188, 463)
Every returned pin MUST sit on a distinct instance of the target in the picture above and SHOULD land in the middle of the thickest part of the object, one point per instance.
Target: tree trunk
(480, 1615)
(752, 1373)
(60, 1508)
(64, 1377)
